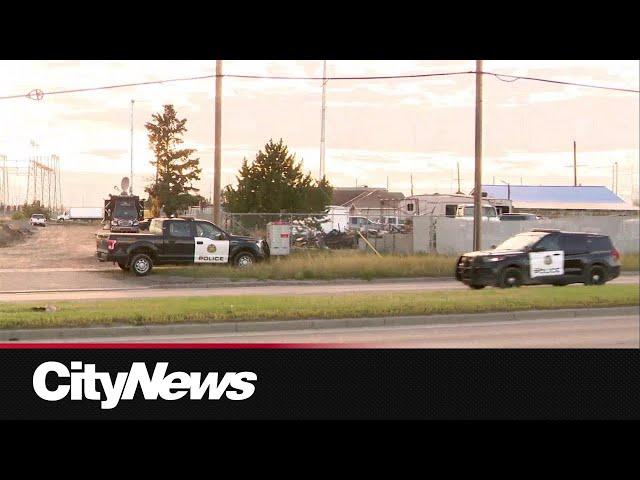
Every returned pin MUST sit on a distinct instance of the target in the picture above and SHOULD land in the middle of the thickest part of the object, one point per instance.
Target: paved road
(294, 288)
(586, 332)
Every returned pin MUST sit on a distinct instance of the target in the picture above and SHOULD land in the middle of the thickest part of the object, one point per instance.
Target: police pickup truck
(542, 257)
(178, 241)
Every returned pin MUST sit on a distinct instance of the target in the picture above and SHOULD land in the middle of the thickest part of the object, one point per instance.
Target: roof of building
(554, 194)
(575, 206)
(365, 196)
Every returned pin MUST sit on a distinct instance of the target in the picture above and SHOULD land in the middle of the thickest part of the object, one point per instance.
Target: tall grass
(328, 266)
(630, 262)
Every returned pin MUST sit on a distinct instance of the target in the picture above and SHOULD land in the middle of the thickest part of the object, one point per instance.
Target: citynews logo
(174, 386)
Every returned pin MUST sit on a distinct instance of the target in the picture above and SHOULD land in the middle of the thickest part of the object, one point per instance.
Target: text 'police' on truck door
(211, 244)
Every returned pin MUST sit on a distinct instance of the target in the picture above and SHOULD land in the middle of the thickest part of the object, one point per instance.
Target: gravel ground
(54, 246)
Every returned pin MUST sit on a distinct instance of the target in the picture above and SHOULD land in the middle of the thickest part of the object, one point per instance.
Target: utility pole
(575, 166)
(324, 107)
(218, 138)
(131, 176)
(411, 177)
(459, 192)
(477, 192)
(616, 170)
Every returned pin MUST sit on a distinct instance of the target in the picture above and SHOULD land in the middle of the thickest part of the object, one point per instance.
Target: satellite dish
(125, 184)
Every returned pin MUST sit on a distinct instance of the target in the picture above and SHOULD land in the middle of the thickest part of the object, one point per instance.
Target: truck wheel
(476, 287)
(596, 276)
(141, 264)
(123, 266)
(244, 259)
(511, 277)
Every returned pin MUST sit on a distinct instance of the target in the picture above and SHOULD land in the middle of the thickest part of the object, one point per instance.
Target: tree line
(273, 182)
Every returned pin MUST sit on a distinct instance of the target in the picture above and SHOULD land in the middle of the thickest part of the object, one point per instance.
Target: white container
(279, 238)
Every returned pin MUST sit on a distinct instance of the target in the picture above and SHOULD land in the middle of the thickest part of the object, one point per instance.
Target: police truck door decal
(211, 251)
(543, 264)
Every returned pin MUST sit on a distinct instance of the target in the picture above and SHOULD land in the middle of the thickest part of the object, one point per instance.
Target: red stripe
(173, 346)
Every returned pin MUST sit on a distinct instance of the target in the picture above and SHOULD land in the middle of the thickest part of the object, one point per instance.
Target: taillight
(616, 254)
(111, 244)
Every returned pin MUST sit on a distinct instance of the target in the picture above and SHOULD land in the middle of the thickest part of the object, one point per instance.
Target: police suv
(542, 256)
(178, 241)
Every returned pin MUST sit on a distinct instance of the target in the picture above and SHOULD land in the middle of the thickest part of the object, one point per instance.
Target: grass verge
(263, 307)
(320, 265)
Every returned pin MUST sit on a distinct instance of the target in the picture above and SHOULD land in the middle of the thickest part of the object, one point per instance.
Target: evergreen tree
(175, 169)
(275, 182)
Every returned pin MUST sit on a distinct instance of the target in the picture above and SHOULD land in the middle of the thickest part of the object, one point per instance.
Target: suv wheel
(244, 259)
(141, 264)
(476, 287)
(596, 275)
(510, 277)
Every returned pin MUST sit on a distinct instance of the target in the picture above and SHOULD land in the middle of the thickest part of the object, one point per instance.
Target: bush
(17, 215)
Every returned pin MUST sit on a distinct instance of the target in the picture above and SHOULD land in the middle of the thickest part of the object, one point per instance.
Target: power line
(38, 94)
(560, 82)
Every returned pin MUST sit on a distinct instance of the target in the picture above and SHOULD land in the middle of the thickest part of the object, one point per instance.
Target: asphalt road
(292, 288)
(582, 332)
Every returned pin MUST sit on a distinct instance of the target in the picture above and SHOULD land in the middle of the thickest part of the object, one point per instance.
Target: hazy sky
(375, 129)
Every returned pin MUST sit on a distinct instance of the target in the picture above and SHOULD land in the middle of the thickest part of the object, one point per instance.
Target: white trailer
(337, 218)
(82, 213)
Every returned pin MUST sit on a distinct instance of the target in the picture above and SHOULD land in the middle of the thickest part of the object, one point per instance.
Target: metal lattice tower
(43, 181)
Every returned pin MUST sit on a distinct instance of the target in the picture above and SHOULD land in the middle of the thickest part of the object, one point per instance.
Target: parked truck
(178, 241)
(81, 213)
(123, 213)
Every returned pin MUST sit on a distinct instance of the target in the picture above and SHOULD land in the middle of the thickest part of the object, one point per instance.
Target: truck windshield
(125, 210)
(519, 242)
(486, 212)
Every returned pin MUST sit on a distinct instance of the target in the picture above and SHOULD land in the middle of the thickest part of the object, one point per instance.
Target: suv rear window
(573, 244)
(599, 244)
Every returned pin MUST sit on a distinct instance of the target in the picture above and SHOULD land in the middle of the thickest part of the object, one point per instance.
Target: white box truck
(81, 213)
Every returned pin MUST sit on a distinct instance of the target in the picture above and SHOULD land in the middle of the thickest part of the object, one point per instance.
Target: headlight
(114, 222)
(135, 222)
(493, 259)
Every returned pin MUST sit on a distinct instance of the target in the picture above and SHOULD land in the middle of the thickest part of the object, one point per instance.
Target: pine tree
(275, 182)
(175, 169)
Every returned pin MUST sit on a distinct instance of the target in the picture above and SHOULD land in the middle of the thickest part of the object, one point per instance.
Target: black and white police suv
(542, 257)
(178, 241)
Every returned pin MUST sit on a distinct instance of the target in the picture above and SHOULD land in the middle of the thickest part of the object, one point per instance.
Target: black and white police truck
(178, 241)
(542, 256)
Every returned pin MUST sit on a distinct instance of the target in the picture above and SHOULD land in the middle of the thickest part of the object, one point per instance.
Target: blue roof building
(560, 198)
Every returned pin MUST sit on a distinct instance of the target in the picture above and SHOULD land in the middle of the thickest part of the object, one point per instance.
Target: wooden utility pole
(217, 161)
(477, 192)
(324, 108)
(459, 192)
(575, 166)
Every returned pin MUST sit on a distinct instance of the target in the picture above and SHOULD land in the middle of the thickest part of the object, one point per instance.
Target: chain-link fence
(391, 233)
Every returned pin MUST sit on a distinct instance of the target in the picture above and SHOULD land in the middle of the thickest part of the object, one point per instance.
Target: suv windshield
(37, 215)
(520, 241)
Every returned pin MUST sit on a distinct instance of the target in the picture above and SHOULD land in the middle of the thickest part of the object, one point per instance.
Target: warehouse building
(560, 201)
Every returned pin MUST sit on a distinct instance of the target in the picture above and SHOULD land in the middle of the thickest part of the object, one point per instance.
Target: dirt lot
(54, 246)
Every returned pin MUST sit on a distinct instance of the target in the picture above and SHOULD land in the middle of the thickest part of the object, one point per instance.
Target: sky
(377, 131)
